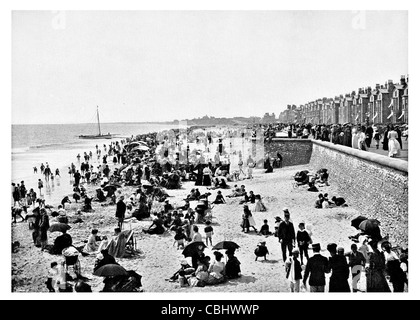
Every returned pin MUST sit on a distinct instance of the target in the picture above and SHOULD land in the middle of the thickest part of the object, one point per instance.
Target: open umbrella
(368, 225)
(226, 245)
(192, 248)
(110, 270)
(356, 221)
(61, 227)
(111, 187)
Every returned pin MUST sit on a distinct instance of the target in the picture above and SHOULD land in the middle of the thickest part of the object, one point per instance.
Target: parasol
(193, 248)
(111, 186)
(61, 227)
(226, 245)
(110, 270)
(356, 221)
(368, 225)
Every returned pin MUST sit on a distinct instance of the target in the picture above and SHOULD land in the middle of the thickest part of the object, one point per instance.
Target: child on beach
(182, 280)
(303, 240)
(52, 274)
(261, 251)
(180, 238)
(265, 229)
(209, 233)
(219, 198)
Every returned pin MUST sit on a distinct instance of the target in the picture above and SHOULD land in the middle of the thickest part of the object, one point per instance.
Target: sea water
(58, 145)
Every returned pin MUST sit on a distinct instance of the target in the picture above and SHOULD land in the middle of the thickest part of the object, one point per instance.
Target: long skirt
(260, 207)
(251, 221)
(376, 282)
(206, 180)
(393, 147)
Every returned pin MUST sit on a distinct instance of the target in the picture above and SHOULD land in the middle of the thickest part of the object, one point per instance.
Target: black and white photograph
(190, 152)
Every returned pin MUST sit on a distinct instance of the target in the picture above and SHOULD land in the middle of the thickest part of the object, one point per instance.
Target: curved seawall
(376, 185)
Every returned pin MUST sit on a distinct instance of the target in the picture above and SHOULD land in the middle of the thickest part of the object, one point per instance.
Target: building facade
(387, 103)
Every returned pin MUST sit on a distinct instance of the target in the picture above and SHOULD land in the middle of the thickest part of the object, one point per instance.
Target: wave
(48, 145)
(20, 150)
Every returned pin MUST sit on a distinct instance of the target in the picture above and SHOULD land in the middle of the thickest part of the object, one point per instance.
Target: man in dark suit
(316, 267)
(120, 213)
(369, 135)
(286, 234)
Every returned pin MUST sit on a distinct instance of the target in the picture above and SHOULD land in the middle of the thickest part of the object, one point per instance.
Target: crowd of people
(357, 136)
(150, 173)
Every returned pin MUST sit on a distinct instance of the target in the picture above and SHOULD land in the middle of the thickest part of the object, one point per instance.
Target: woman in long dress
(355, 138)
(375, 273)
(207, 176)
(385, 140)
(394, 146)
(259, 205)
(362, 139)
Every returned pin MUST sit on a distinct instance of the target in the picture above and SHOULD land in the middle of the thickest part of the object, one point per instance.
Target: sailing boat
(99, 135)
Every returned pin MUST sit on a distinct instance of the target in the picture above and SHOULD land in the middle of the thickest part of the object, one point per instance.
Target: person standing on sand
(294, 271)
(339, 269)
(315, 270)
(35, 169)
(120, 213)
(356, 263)
(44, 225)
(47, 172)
(286, 234)
(40, 186)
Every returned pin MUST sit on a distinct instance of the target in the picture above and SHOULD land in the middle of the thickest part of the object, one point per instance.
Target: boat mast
(99, 125)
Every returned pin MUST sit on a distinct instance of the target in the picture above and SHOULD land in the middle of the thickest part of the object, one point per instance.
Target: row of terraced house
(386, 103)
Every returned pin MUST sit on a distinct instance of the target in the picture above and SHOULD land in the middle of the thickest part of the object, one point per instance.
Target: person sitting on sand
(202, 271)
(312, 187)
(92, 245)
(261, 250)
(87, 205)
(103, 258)
(318, 203)
(100, 195)
(116, 247)
(219, 182)
(237, 192)
(265, 229)
(233, 265)
(326, 203)
(62, 215)
(216, 270)
(176, 222)
(339, 201)
(156, 227)
(219, 198)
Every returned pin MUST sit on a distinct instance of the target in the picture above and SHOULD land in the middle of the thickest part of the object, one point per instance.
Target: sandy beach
(160, 259)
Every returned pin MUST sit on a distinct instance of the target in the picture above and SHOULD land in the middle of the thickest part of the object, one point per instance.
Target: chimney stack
(403, 80)
(378, 86)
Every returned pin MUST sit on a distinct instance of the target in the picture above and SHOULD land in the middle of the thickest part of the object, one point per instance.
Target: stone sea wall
(294, 151)
(376, 185)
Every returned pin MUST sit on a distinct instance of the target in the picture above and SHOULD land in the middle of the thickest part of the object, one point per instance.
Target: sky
(165, 65)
